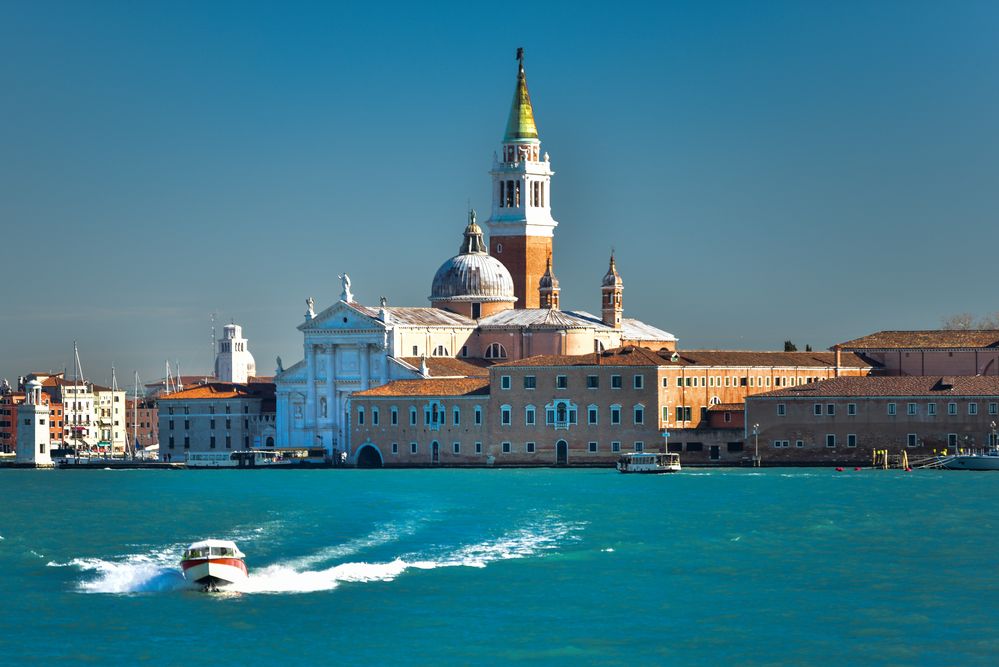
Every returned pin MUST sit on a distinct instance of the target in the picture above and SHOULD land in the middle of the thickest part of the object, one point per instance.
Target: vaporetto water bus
(649, 463)
(237, 459)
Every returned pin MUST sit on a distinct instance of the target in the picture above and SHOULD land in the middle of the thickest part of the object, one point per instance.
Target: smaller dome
(472, 275)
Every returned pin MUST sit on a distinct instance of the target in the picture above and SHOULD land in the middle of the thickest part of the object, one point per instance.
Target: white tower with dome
(233, 361)
(33, 428)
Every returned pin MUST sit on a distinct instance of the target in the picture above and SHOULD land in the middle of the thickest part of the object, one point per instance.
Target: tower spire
(612, 296)
(521, 225)
(548, 289)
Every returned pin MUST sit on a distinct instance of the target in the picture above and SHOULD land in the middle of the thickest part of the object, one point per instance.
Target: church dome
(472, 275)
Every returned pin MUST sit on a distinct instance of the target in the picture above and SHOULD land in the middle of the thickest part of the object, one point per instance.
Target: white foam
(386, 534)
(157, 571)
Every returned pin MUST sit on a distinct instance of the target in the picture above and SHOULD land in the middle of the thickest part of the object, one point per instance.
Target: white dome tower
(233, 362)
(33, 428)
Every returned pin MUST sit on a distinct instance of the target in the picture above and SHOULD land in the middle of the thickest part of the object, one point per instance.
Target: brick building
(933, 352)
(142, 422)
(845, 419)
(8, 420)
(215, 416)
(581, 409)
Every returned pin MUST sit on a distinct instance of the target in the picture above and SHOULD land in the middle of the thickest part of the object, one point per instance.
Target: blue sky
(765, 170)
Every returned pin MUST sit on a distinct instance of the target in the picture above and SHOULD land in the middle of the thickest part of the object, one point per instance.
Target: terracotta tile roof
(221, 390)
(450, 367)
(727, 407)
(901, 386)
(931, 339)
(744, 358)
(430, 387)
(622, 356)
(640, 356)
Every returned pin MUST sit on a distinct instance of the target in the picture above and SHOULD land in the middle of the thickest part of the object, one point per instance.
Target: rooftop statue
(345, 294)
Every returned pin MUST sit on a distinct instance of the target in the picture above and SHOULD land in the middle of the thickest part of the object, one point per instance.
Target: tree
(958, 321)
(790, 347)
(808, 348)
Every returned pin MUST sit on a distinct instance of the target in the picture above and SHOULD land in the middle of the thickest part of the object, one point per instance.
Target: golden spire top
(521, 123)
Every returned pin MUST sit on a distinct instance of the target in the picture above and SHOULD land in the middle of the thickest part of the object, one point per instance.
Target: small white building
(33, 428)
(233, 361)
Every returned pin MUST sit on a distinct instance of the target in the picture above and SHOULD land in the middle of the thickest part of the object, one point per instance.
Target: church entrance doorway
(561, 453)
(435, 453)
(368, 457)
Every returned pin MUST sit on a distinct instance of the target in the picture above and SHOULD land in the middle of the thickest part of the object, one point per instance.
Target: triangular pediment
(342, 315)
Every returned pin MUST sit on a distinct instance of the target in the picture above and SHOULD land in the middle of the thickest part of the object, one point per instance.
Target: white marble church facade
(485, 307)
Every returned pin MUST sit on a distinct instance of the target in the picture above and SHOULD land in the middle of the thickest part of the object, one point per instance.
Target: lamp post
(756, 445)
(992, 442)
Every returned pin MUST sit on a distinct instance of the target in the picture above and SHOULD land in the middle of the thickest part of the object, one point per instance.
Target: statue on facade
(310, 308)
(382, 301)
(280, 366)
(345, 294)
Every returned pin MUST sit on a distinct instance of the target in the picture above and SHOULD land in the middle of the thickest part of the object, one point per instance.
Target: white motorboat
(975, 461)
(214, 564)
(648, 463)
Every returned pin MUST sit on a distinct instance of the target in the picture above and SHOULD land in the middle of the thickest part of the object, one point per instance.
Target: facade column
(310, 386)
(330, 381)
(365, 365)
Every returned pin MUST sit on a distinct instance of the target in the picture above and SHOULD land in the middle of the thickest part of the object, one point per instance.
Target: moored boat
(214, 564)
(984, 461)
(254, 458)
(649, 463)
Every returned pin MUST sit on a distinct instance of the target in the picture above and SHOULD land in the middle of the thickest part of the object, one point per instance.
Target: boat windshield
(224, 552)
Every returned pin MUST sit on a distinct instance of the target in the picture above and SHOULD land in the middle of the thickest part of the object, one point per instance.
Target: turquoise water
(498, 566)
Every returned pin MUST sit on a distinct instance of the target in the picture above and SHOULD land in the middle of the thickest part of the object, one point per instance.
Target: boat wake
(154, 573)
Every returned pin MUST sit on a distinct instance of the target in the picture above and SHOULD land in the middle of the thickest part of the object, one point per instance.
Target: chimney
(839, 358)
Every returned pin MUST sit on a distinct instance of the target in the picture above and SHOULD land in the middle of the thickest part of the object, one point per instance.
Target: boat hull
(214, 571)
(658, 471)
(970, 462)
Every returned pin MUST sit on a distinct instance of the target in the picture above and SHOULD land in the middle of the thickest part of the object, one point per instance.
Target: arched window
(440, 351)
(495, 351)
(714, 400)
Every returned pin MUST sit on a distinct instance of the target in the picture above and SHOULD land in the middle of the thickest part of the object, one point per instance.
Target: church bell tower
(521, 224)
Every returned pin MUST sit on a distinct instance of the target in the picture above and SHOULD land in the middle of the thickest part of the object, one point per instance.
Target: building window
(591, 414)
(171, 442)
(891, 408)
(412, 448)
(360, 416)
(592, 448)
(440, 351)
(530, 448)
(456, 416)
(478, 448)
(211, 423)
(851, 409)
(187, 424)
(615, 446)
(851, 440)
(952, 439)
(972, 408)
(170, 425)
(639, 446)
(592, 381)
(781, 409)
(799, 443)
(506, 447)
(505, 415)
(478, 415)
(911, 440)
(456, 448)
(931, 409)
(416, 350)
(616, 381)
(495, 351)
(530, 382)
(615, 414)
(395, 416)
(952, 408)
(374, 416)
(830, 440)
(211, 442)
(830, 409)
(683, 413)
(187, 442)
(639, 382)
(504, 382)
(993, 408)
(817, 409)
(395, 447)
(639, 414)
(561, 381)
(530, 417)
(910, 408)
